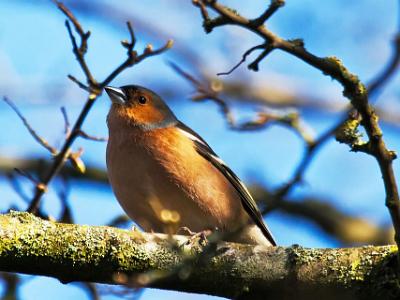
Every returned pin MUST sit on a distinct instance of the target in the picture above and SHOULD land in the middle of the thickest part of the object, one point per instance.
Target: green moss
(348, 133)
(368, 268)
(304, 256)
(356, 269)
(80, 245)
(353, 88)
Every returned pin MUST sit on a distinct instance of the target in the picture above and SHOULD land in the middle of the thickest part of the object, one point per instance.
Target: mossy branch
(103, 254)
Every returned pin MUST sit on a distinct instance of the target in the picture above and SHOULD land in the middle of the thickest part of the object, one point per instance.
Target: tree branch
(108, 255)
(94, 89)
(353, 89)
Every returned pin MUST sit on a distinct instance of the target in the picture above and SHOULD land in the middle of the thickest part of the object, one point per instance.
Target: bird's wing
(248, 202)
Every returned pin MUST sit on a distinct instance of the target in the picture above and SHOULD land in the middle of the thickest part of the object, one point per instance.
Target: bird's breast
(159, 177)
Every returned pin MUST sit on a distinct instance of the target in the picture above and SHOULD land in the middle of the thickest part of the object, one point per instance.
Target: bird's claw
(199, 237)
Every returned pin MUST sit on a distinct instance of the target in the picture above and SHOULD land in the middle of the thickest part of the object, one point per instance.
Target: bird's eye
(142, 100)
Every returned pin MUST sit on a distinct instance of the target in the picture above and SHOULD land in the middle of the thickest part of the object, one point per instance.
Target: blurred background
(341, 199)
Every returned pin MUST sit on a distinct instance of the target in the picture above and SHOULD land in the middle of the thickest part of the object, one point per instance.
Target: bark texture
(108, 255)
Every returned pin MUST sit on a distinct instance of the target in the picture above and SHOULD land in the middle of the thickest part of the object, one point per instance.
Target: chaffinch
(160, 169)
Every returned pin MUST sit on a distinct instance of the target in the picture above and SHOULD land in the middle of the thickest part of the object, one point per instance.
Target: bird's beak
(116, 94)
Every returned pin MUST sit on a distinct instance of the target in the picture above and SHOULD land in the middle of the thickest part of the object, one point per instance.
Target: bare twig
(244, 56)
(73, 157)
(67, 125)
(354, 90)
(82, 49)
(63, 193)
(32, 179)
(308, 156)
(87, 136)
(134, 58)
(389, 69)
(261, 121)
(206, 91)
(34, 134)
(254, 65)
(273, 7)
(94, 88)
(92, 291)
(80, 84)
(17, 187)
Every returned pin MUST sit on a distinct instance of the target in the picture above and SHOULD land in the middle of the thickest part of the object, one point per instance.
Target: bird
(161, 170)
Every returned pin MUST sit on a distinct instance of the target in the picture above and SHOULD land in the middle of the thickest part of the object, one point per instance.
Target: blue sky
(35, 57)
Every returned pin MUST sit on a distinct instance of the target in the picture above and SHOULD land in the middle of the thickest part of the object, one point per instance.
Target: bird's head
(140, 107)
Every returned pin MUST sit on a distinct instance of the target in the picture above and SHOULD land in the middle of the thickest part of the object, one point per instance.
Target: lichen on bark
(103, 254)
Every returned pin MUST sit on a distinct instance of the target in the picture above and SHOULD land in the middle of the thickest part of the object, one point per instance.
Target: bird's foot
(185, 231)
(199, 237)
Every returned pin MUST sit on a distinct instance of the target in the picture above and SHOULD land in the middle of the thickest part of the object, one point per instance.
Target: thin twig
(389, 70)
(63, 193)
(17, 187)
(132, 60)
(34, 134)
(393, 64)
(87, 136)
(244, 56)
(80, 84)
(82, 49)
(308, 156)
(67, 125)
(130, 45)
(91, 289)
(37, 183)
(254, 65)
